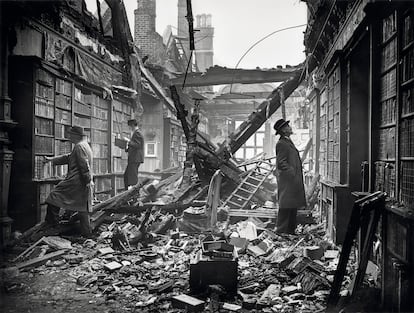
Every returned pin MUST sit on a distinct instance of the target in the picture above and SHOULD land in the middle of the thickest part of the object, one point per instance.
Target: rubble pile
(155, 253)
(272, 273)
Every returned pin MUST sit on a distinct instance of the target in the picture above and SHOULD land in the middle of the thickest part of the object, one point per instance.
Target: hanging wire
(259, 41)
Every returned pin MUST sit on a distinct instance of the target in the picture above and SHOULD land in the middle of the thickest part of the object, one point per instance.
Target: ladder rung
(246, 183)
(260, 173)
(240, 197)
(245, 190)
(258, 179)
(234, 203)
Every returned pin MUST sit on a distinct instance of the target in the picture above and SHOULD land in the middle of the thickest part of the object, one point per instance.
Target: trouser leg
(126, 178)
(52, 214)
(85, 223)
(292, 220)
(286, 220)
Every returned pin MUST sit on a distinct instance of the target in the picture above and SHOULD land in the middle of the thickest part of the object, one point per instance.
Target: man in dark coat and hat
(135, 149)
(291, 192)
(74, 193)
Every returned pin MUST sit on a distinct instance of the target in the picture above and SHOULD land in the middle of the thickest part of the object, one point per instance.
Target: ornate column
(6, 123)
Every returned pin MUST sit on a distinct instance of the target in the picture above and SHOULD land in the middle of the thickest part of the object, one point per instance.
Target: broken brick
(188, 303)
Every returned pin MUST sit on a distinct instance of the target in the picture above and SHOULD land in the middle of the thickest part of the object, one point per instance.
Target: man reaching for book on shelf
(74, 192)
(135, 149)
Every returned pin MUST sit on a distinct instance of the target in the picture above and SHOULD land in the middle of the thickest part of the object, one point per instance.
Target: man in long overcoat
(74, 192)
(135, 149)
(291, 192)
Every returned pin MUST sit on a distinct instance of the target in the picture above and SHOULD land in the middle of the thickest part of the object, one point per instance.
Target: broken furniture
(372, 206)
(215, 264)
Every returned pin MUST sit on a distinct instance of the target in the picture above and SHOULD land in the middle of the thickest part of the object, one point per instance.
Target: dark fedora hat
(279, 125)
(132, 122)
(76, 130)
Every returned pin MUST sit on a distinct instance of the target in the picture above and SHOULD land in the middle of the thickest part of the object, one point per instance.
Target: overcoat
(135, 151)
(72, 192)
(291, 192)
(136, 148)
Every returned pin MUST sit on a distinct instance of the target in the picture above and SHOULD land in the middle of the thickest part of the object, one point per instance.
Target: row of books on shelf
(407, 66)
(122, 107)
(63, 87)
(63, 102)
(44, 108)
(103, 103)
(386, 144)
(43, 126)
(407, 184)
(99, 136)
(100, 166)
(43, 91)
(63, 117)
(408, 101)
(408, 33)
(333, 170)
(79, 107)
(45, 170)
(99, 113)
(407, 138)
(119, 182)
(388, 87)
(62, 147)
(99, 150)
(389, 55)
(387, 111)
(121, 117)
(333, 151)
(44, 76)
(44, 145)
(102, 184)
(100, 124)
(389, 27)
(84, 122)
(119, 164)
(385, 177)
(42, 169)
(61, 130)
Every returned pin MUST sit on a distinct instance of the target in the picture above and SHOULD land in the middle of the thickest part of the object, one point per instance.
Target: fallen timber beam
(259, 117)
(221, 75)
(170, 208)
(120, 198)
(207, 162)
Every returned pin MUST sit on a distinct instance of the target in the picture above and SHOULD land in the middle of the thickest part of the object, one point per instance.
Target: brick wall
(145, 36)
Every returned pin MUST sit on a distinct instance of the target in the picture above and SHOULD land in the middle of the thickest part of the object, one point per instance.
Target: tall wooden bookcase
(46, 104)
(394, 154)
(394, 149)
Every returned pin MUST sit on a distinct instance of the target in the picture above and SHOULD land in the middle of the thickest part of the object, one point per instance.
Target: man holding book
(74, 192)
(135, 149)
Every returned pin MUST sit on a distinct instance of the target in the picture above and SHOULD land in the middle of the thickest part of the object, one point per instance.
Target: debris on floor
(157, 249)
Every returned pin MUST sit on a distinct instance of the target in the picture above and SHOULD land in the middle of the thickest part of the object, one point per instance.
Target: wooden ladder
(250, 184)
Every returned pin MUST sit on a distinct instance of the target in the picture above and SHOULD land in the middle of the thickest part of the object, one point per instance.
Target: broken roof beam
(222, 75)
(259, 117)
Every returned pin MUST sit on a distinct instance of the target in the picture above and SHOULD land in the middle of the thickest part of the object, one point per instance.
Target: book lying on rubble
(121, 142)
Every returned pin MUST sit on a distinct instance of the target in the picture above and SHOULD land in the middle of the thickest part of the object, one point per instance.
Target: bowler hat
(279, 125)
(132, 122)
(76, 130)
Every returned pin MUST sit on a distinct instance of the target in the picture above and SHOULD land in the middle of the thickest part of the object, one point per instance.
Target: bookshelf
(333, 125)
(121, 115)
(47, 104)
(323, 136)
(386, 129)
(406, 125)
